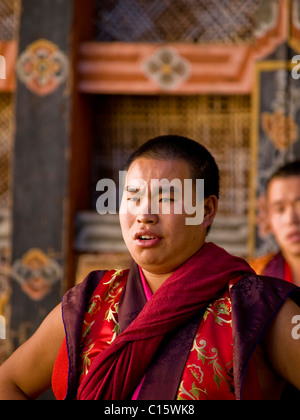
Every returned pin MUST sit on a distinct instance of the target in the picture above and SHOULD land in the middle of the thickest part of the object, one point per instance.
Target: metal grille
(198, 21)
(221, 123)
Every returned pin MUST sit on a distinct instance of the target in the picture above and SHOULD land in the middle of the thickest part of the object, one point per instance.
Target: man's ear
(263, 216)
(210, 210)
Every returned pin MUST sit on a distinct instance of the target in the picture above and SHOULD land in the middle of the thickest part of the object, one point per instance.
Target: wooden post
(41, 163)
(81, 135)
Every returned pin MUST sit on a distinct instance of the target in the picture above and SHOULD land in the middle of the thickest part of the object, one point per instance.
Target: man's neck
(294, 264)
(155, 281)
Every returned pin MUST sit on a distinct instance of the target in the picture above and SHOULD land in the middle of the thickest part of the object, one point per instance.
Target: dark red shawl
(275, 267)
(116, 372)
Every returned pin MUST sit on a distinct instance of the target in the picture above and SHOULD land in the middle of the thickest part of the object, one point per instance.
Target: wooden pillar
(81, 134)
(41, 163)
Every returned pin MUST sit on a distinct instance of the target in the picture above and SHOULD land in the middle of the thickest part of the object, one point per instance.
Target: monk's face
(284, 213)
(163, 240)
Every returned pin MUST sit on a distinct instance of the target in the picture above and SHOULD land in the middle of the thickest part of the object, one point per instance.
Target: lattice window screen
(9, 23)
(202, 21)
(9, 18)
(6, 136)
(9, 12)
(222, 123)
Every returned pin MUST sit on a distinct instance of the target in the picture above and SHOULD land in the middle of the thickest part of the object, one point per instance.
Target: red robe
(149, 331)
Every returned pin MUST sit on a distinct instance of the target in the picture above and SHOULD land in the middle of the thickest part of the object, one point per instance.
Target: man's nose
(145, 215)
(293, 215)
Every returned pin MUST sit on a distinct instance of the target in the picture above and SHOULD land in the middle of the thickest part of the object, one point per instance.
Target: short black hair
(287, 171)
(201, 161)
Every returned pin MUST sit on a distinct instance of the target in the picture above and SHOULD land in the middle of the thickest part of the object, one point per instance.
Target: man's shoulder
(260, 263)
(267, 291)
(83, 291)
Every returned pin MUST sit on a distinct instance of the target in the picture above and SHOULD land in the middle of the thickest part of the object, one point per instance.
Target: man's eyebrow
(283, 202)
(162, 189)
(277, 203)
(166, 189)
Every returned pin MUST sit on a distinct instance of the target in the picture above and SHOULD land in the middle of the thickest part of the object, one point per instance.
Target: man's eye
(134, 199)
(166, 200)
(279, 210)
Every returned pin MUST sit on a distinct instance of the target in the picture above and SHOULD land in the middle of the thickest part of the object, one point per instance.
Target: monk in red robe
(283, 221)
(187, 321)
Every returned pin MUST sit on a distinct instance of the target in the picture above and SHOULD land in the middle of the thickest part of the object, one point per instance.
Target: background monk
(187, 321)
(283, 212)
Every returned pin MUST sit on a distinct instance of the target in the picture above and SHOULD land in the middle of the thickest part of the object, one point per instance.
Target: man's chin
(294, 250)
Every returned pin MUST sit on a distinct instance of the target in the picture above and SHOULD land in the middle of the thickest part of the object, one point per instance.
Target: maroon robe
(255, 303)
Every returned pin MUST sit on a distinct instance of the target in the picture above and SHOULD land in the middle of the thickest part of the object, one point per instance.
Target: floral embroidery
(196, 372)
(95, 305)
(210, 356)
(112, 315)
(209, 374)
(221, 310)
(118, 273)
(209, 369)
(101, 314)
(193, 394)
(87, 328)
(86, 359)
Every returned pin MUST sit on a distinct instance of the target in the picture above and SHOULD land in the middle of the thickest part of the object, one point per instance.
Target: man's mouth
(294, 237)
(147, 237)
(146, 240)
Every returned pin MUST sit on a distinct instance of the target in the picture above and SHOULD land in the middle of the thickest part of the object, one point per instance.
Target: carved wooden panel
(189, 68)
